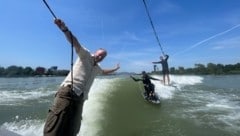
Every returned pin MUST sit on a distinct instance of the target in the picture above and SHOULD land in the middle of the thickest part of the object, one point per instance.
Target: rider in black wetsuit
(148, 86)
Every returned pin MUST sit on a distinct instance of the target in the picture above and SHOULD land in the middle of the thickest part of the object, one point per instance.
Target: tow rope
(154, 30)
(55, 17)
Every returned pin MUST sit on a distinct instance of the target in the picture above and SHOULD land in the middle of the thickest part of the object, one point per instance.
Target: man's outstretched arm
(108, 71)
(156, 62)
(155, 79)
(135, 78)
(70, 37)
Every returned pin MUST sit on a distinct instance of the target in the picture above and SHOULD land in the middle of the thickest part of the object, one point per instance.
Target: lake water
(192, 106)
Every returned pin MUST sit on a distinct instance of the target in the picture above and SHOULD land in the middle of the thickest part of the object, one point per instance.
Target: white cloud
(218, 47)
(227, 43)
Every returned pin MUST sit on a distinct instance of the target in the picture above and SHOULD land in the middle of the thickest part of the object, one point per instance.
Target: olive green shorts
(64, 116)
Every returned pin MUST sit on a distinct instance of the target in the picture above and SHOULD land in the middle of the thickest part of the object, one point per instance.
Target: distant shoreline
(199, 69)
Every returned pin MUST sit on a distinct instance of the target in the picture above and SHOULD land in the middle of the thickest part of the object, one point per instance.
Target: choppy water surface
(192, 106)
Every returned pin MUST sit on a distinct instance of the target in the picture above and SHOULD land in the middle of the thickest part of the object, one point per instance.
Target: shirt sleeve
(83, 53)
(99, 70)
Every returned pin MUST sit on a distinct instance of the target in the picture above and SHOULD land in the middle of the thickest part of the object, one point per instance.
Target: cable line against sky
(208, 39)
(55, 17)
(154, 30)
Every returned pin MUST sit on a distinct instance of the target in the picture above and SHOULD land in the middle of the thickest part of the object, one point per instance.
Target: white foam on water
(220, 105)
(15, 97)
(93, 107)
(232, 121)
(215, 109)
(228, 112)
(25, 127)
(176, 83)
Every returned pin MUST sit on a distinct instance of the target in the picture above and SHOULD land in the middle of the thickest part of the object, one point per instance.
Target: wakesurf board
(153, 99)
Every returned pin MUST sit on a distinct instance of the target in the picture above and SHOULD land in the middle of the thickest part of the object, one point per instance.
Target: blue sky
(190, 31)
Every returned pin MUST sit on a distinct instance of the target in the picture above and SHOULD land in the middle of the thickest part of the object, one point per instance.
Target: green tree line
(199, 69)
(209, 69)
(18, 71)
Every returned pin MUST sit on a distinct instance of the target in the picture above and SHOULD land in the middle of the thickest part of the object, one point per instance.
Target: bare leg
(168, 79)
(164, 79)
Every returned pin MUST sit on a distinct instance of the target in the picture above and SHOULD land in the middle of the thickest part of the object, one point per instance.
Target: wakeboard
(153, 99)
